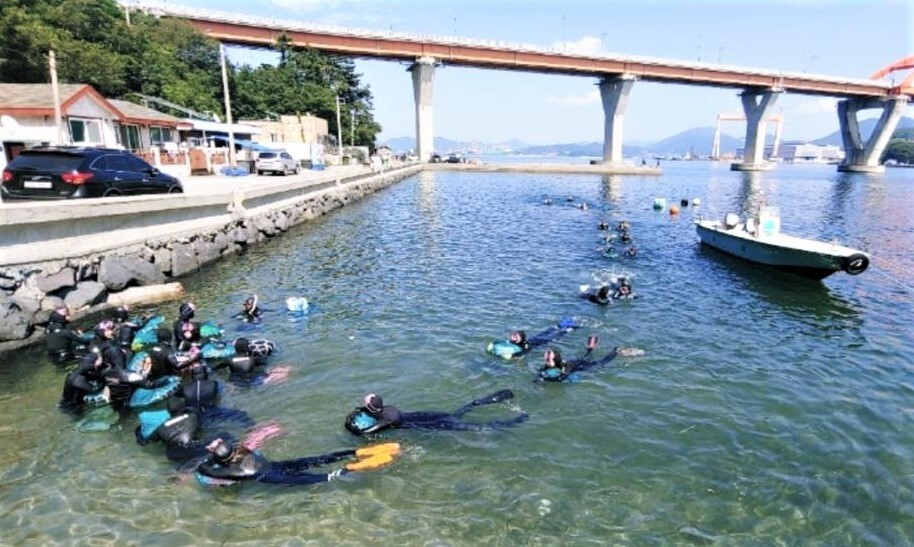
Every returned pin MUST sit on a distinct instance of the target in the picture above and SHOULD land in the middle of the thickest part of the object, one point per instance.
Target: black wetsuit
(124, 332)
(62, 342)
(362, 421)
(541, 339)
(251, 465)
(238, 364)
(598, 295)
(182, 342)
(200, 394)
(250, 316)
(86, 379)
(165, 360)
(565, 369)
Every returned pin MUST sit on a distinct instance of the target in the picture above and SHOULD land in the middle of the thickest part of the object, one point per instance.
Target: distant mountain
(866, 129)
(698, 141)
(594, 149)
(442, 145)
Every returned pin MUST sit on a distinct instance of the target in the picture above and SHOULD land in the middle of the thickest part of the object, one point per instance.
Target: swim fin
(373, 457)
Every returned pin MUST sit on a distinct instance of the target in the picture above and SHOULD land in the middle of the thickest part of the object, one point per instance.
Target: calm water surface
(765, 410)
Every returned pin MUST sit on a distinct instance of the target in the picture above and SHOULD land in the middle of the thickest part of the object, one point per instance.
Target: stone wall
(30, 292)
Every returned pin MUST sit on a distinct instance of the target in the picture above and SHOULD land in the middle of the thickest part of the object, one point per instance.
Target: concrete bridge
(616, 75)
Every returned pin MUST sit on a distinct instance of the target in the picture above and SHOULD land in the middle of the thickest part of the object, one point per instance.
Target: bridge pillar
(614, 92)
(860, 157)
(756, 106)
(423, 79)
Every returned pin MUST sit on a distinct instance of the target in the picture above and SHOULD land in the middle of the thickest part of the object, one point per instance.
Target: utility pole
(228, 106)
(52, 64)
(339, 128)
(352, 128)
(127, 13)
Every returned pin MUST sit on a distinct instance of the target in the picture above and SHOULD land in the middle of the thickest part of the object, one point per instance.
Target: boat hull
(810, 259)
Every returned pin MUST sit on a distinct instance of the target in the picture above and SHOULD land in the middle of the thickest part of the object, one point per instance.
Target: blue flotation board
(147, 396)
(212, 482)
(134, 364)
(211, 329)
(146, 336)
(150, 420)
(217, 350)
(503, 349)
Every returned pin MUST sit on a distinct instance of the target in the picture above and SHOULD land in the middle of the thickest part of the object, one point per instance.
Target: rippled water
(766, 409)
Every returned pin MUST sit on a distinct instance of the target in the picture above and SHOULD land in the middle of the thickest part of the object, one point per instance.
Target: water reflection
(611, 188)
(799, 297)
(751, 196)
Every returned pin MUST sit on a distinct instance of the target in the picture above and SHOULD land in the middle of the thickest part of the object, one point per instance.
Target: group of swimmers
(622, 234)
(113, 367)
(132, 363)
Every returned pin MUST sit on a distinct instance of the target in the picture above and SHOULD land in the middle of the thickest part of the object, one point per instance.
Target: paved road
(219, 184)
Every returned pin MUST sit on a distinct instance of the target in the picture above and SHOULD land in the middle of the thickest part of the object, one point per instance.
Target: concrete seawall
(81, 254)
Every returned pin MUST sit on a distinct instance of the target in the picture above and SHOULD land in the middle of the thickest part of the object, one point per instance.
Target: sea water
(765, 408)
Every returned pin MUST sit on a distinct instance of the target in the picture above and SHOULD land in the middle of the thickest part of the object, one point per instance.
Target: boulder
(65, 278)
(207, 252)
(86, 293)
(183, 260)
(14, 322)
(162, 259)
(120, 272)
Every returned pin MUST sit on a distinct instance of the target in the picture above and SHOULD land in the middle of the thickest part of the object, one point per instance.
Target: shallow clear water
(766, 409)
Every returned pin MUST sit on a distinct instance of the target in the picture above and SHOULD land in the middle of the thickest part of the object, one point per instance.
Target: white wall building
(811, 153)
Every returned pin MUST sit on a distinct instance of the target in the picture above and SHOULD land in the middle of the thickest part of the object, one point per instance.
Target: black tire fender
(855, 264)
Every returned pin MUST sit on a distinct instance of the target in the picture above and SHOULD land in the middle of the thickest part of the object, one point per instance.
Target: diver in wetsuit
(124, 327)
(242, 357)
(236, 462)
(63, 342)
(375, 416)
(185, 314)
(200, 392)
(86, 379)
(555, 369)
(180, 431)
(518, 344)
(599, 295)
(250, 311)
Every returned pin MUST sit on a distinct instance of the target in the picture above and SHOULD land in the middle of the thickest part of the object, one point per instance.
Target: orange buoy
(674, 210)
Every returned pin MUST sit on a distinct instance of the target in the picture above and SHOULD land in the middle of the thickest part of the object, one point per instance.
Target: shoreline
(584, 169)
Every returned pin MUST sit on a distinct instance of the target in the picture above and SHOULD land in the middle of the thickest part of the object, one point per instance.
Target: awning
(244, 143)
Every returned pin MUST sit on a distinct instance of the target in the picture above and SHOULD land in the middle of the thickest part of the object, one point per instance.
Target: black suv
(60, 172)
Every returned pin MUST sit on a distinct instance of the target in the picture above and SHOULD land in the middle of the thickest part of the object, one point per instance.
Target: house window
(130, 137)
(85, 131)
(159, 135)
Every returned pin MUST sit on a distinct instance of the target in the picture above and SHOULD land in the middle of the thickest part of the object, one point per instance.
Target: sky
(829, 37)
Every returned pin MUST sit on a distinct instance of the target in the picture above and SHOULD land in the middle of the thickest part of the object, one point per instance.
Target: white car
(276, 162)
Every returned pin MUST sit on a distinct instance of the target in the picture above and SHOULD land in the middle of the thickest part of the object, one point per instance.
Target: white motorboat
(762, 242)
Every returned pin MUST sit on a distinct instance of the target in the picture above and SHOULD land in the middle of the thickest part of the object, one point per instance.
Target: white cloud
(817, 106)
(586, 45)
(575, 100)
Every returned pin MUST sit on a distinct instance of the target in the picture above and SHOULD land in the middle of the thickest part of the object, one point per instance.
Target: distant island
(694, 142)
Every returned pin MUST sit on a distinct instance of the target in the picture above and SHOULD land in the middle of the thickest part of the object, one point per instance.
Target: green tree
(900, 150)
(307, 81)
